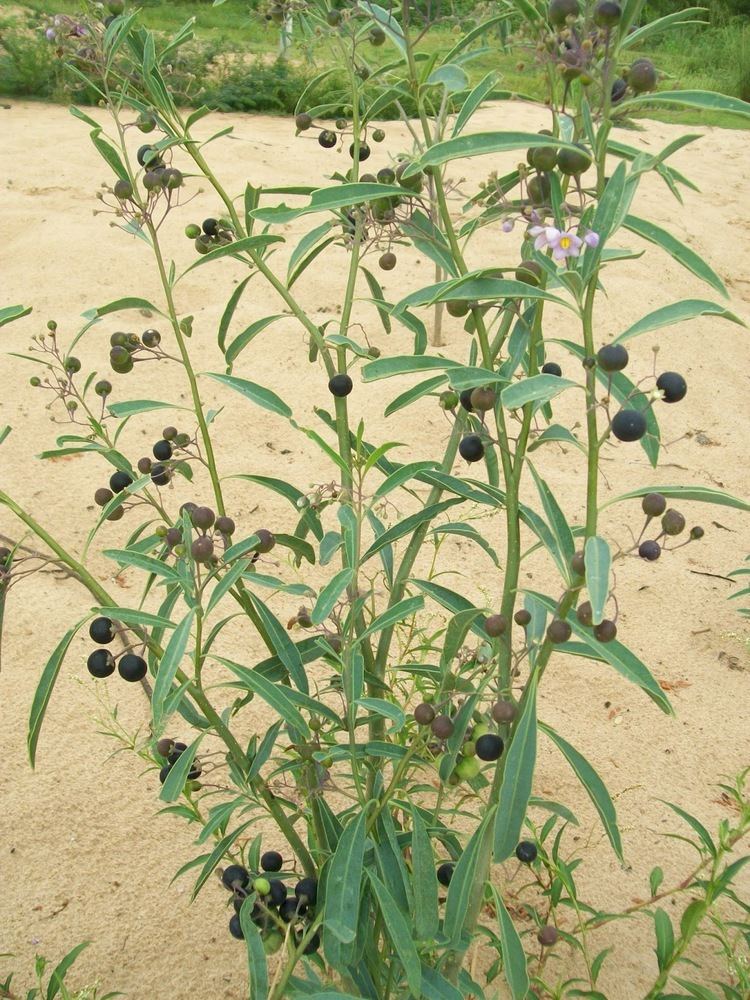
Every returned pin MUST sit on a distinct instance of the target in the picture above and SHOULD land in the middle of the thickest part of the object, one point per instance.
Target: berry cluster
(127, 348)
(211, 234)
(171, 751)
(672, 524)
(274, 907)
(60, 379)
(101, 662)
(479, 743)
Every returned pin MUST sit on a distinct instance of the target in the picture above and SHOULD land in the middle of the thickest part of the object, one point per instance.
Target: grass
(713, 58)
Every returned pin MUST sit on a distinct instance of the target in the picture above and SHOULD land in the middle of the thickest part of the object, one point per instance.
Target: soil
(85, 854)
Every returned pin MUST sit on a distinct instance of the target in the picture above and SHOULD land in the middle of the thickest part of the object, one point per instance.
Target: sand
(84, 855)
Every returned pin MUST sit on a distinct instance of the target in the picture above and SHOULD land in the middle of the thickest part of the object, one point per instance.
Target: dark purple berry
(522, 617)
(162, 450)
(619, 89)
(504, 712)
(654, 504)
(642, 76)
(605, 631)
(164, 773)
(558, 631)
(649, 550)
(266, 540)
(235, 877)
(202, 549)
(526, 852)
(612, 358)
(489, 747)
(289, 909)
(471, 448)
(327, 139)
(340, 385)
(131, 667)
(585, 614)
(225, 525)
(144, 465)
(495, 625)
(673, 386)
(607, 13)
(442, 727)
(271, 861)
(306, 890)
(203, 518)
(278, 891)
(424, 714)
(628, 425)
(101, 663)
(547, 935)
(465, 399)
(364, 152)
(118, 481)
(445, 873)
(551, 369)
(160, 475)
(235, 929)
(210, 227)
(673, 522)
(102, 631)
(560, 10)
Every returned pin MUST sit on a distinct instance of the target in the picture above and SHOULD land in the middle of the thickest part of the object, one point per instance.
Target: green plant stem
(592, 434)
(188, 366)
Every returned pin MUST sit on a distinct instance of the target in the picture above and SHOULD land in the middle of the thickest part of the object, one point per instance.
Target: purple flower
(562, 244)
(508, 225)
(591, 239)
(51, 34)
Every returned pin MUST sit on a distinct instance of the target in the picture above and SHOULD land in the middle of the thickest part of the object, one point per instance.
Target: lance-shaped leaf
(344, 882)
(703, 100)
(424, 883)
(702, 494)
(405, 365)
(329, 199)
(399, 931)
(256, 393)
(594, 786)
(514, 957)
(44, 690)
(408, 525)
(597, 560)
(616, 655)
(256, 954)
(168, 667)
(276, 695)
(677, 250)
(518, 774)
(535, 389)
(330, 594)
(462, 882)
(483, 144)
(678, 312)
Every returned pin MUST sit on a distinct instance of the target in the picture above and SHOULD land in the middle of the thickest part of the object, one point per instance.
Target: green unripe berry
(468, 768)
(193, 231)
(262, 886)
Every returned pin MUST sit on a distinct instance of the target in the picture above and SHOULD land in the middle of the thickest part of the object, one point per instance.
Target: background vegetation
(233, 66)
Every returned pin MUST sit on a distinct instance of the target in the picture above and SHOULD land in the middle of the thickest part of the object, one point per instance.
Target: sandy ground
(83, 853)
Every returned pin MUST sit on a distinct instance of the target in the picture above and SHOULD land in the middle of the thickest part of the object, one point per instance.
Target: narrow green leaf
(256, 955)
(405, 364)
(403, 609)
(462, 882)
(255, 393)
(8, 314)
(120, 305)
(704, 100)
(598, 561)
(330, 594)
(408, 525)
(678, 312)
(518, 775)
(595, 787)
(248, 244)
(129, 616)
(249, 334)
(129, 408)
(696, 825)
(562, 534)
(275, 695)
(399, 931)
(616, 655)
(344, 882)
(664, 938)
(328, 199)
(468, 531)
(535, 389)
(514, 957)
(61, 970)
(424, 881)
(227, 581)
(168, 667)
(482, 144)
(139, 560)
(44, 690)
(702, 494)
(480, 93)
(414, 393)
(282, 645)
(229, 311)
(688, 258)
(173, 787)
(402, 475)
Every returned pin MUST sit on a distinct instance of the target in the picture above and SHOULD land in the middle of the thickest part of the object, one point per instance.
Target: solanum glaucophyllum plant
(410, 748)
